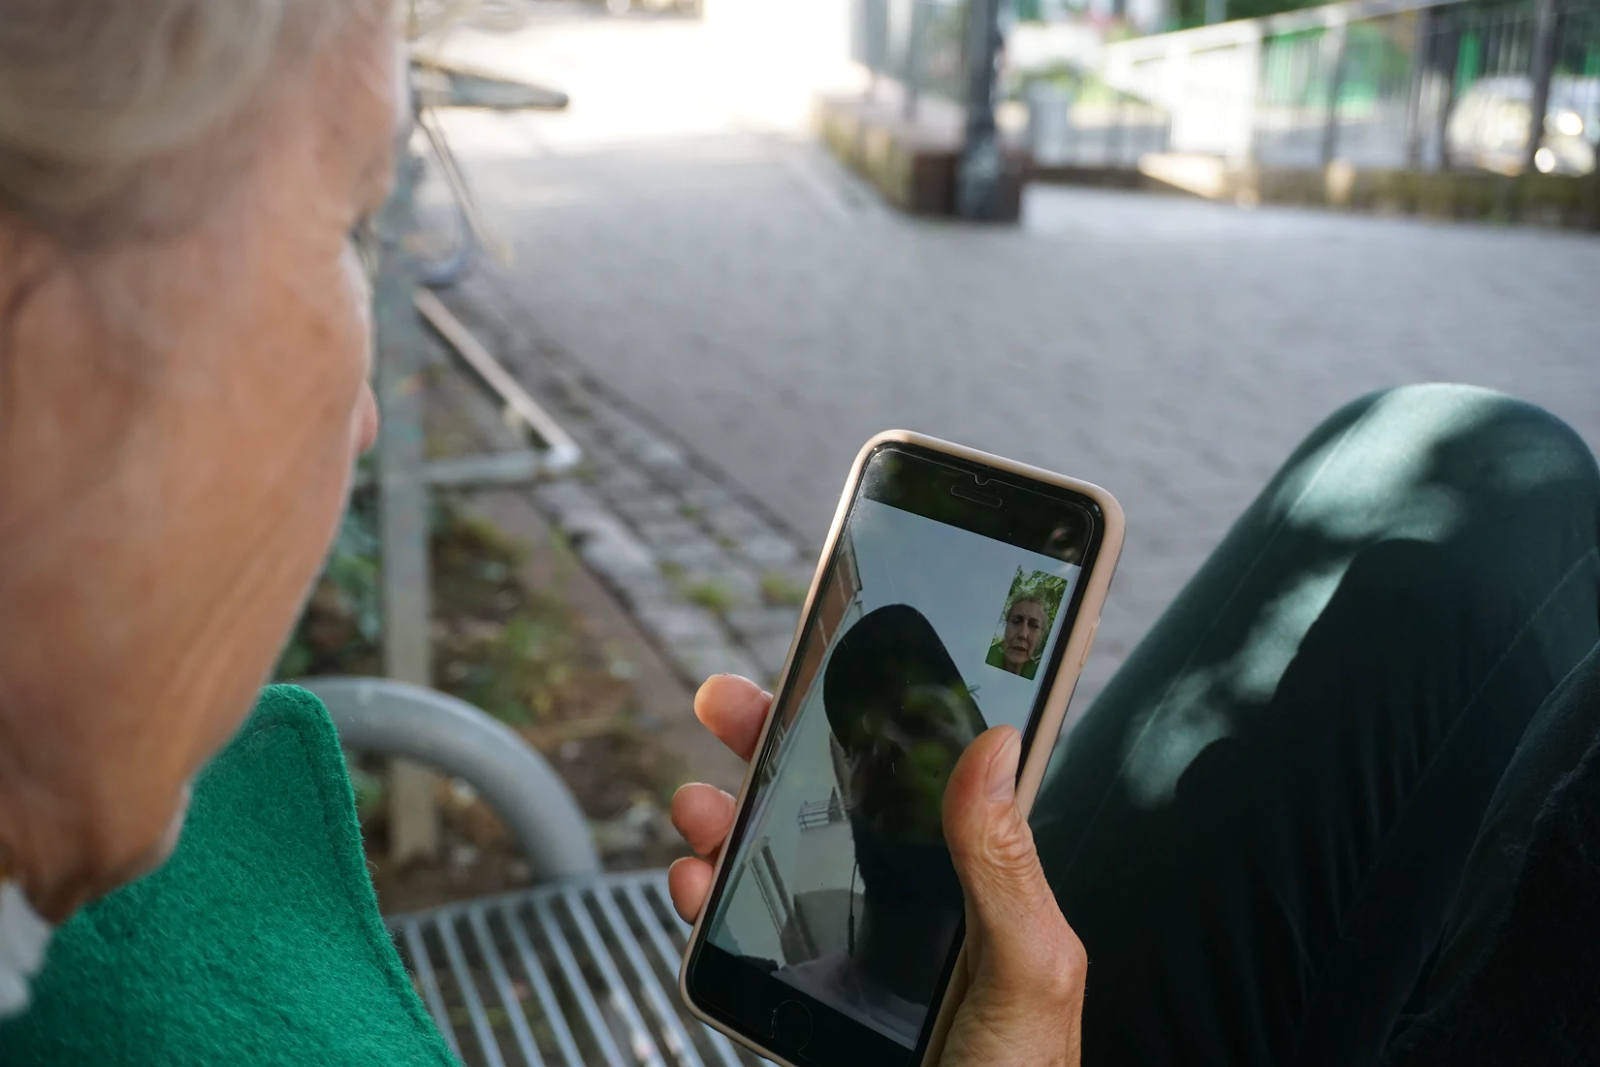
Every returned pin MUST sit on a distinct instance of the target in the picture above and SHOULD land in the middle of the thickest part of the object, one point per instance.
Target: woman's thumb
(1018, 942)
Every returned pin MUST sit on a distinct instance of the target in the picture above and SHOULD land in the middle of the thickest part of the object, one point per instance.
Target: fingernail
(1003, 769)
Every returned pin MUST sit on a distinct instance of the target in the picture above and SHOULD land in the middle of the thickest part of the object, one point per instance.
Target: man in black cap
(902, 714)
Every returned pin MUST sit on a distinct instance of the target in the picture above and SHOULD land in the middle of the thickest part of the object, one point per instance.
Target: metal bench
(579, 970)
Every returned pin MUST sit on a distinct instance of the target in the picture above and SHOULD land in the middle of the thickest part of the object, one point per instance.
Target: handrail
(393, 718)
(1244, 31)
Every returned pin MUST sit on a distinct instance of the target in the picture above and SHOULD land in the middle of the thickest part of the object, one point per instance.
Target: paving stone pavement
(709, 575)
(1175, 370)
(766, 318)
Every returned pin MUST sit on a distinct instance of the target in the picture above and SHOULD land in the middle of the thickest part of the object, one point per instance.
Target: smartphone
(957, 591)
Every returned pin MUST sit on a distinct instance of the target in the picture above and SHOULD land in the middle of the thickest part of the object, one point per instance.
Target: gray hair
(102, 100)
(1027, 596)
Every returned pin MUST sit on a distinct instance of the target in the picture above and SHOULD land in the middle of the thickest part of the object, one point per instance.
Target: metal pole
(1263, 82)
(403, 503)
(1117, 136)
(979, 170)
(1545, 18)
(1337, 41)
(1449, 60)
(913, 71)
(1421, 71)
(1216, 11)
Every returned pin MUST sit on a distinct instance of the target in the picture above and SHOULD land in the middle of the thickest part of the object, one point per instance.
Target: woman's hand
(1025, 967)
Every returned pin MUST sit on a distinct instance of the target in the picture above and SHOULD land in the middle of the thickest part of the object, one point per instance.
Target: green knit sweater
(259, 943)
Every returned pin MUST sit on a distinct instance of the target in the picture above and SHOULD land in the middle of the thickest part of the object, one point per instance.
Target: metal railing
(1420, 84)
(819, 814)
(1085, 123)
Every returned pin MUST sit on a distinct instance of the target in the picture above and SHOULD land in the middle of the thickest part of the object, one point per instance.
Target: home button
(791, 1025)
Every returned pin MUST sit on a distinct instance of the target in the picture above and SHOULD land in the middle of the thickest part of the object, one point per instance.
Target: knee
(1450, 449)
(1477, 440)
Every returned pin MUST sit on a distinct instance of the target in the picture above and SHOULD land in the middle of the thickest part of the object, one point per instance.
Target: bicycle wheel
(444, 242)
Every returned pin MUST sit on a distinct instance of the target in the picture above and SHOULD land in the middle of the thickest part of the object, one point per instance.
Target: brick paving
(706, 571)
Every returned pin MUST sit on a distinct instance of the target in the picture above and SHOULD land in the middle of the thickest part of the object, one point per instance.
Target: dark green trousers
(1270, 829)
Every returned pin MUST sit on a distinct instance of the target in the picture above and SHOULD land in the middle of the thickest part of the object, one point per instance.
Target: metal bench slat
(600, 956)
(446, 925)
(578, 984)
(430, 985)
(541, 987)
(667, 1018)
(502, 983)
(643, 1044)
(668, 954)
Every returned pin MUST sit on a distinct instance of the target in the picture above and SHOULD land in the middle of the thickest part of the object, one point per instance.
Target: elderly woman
(1342, 782)
(1016, 650)
(184, 329)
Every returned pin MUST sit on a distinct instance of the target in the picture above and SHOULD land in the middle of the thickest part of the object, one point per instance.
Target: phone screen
(943, 611)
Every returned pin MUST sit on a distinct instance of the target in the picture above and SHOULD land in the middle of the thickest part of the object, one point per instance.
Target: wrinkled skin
(180, 422)
(1025, 629)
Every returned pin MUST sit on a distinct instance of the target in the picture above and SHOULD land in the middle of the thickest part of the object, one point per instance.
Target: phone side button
(791, 1026)
(1089, 644)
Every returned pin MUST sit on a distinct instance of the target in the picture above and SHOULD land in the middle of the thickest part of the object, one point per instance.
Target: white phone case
(1073, 658)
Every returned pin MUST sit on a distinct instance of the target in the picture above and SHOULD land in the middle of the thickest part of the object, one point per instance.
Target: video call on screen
(924, 635)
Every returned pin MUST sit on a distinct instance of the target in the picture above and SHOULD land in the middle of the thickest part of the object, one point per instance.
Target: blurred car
(1488, 128)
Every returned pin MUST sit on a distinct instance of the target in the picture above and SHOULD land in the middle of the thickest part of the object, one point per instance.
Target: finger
(734, 709)
(1022, 941)
(688, 882)
(703, 814)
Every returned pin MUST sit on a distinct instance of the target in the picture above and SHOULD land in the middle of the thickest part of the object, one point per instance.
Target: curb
(712, 578)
